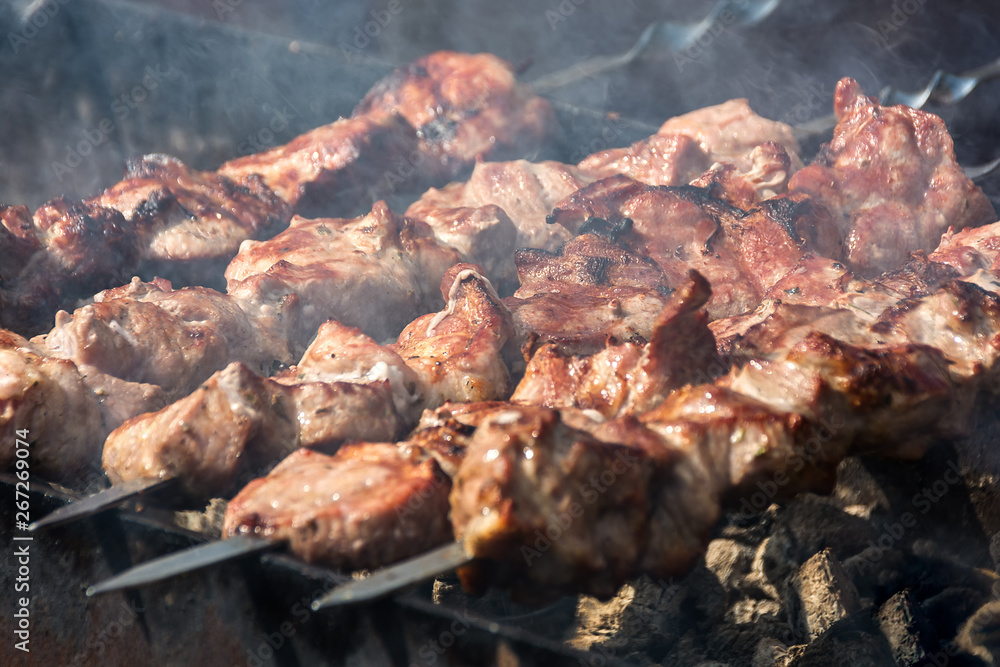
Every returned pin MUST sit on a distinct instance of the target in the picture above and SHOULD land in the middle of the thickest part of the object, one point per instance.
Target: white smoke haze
(64, 63)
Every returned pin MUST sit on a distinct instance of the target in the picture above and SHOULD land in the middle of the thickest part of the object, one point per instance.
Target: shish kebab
(891, 390)
(346, 387)
(754, 123)
(550, 500)
(439, 114)
(118, 342)
(264, 325)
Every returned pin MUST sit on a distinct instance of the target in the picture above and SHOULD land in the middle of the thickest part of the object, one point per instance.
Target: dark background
(234, 76)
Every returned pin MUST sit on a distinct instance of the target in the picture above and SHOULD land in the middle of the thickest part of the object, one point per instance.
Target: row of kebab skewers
(684, 321)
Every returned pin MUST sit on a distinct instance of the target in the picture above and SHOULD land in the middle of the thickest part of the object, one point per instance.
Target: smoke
(239, 62)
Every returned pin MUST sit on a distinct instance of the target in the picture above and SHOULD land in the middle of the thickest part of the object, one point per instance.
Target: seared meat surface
(629, 377)
(237, 422)
(343, 163)
(456, 353)
(740, 252)
(65, 251)
(529, 497)
(368, 505)
(525, 191)
(589, 291)
(890, 178)
(191, 223)
(340, 353)
(464, 107)
(67, 411)
(152, 333)
(687, 145)
(376, 272)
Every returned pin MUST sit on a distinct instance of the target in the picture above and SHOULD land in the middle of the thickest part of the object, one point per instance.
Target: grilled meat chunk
(962, 320)
(191, 223)
(238, 422)
(890, 178)
(65, 251)
(464, 107)
(767, 177)
(589, 291)
(344, 164)
(629, 377)
(525, 191)
(376, 272)
(484, 236)
(741, 253)
(340, 353)
(687, 145)
(551, 507)
(970, 249)
(457, 352)
(369, 504)
(151, 333)
(49, 398)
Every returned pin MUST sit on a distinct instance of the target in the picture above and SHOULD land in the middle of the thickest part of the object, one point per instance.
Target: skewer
(398, 577)
(102, 501)
(669, 34)
(185, 561)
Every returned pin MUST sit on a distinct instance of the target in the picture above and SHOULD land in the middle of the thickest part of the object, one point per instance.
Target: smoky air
(232, 77)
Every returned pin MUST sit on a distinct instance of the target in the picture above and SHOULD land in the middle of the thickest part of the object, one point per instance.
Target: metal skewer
(102, 501)
(668, 34)
(398, 577)
(185, 561)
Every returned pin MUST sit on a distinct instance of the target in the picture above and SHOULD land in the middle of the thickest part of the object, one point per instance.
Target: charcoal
(950, 608)
(874, 571)
(851, 641)
(825, 593)
(772, 652)
(811, 523)
(730, 562)
(910, 636)
(980, 635)
(645, 613)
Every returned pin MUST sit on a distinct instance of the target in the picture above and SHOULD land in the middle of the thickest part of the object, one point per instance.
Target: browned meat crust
(525, 191)
(464, 108)
(590, 291)
(65, 251)
(687, 145)
(741, 253)
(344, 164)
(190, 223)
(524, 498)
(370, 504)
(890, 178)
(237, 422)
(376, 272)
(457, 353)
(629, 377)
